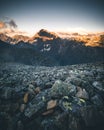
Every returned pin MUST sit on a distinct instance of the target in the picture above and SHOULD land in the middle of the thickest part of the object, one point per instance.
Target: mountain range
(50, 49)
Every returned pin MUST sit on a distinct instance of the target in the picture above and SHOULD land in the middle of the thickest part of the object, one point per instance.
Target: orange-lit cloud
(79, 30)
(11, 32)
(8, 24)
(2, 25)
(10, 28)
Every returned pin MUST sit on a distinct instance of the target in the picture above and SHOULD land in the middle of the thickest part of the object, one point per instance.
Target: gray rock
(98, 85)
(82, 93)
(37, 104)
(31, 88)
(62, 89)
(33, 108)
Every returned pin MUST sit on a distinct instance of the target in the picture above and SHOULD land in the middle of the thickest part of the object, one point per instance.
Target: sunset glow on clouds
(53, 15)
(2, 25)
(10, 28)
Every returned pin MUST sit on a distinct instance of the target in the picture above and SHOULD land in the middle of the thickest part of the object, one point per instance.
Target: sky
(54, 15)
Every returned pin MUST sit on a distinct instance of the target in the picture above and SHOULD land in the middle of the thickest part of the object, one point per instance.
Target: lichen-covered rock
(66, 106)
(37, 104)
(34, 108)
(60, 88)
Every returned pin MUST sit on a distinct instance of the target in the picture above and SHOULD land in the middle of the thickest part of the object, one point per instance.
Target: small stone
(31, 88)
(51, 104)
(48, 85)
(22, 107)
(66, 97)
(47, 112)
(98, 85)
(43, 98)
(26, 96)
(82, 93)
(37, 90)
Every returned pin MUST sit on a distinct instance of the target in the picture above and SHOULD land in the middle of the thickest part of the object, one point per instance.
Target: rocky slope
(23, 53)
(50, 52)
(47, 48)
(51, 98)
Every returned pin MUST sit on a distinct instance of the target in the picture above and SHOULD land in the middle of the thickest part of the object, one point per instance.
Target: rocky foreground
(52, 98)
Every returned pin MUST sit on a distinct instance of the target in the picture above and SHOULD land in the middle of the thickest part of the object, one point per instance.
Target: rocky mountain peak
(45, 35)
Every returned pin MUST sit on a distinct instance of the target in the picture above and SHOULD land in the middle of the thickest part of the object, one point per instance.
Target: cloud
(2, 25)
(79, 30)
(6, 23)
(12, 24)
(8, 26)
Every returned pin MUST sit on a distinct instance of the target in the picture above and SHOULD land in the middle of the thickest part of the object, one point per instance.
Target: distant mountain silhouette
(48, 49)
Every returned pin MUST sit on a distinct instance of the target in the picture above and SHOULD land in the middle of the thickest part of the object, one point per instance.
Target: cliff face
(51, 98)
